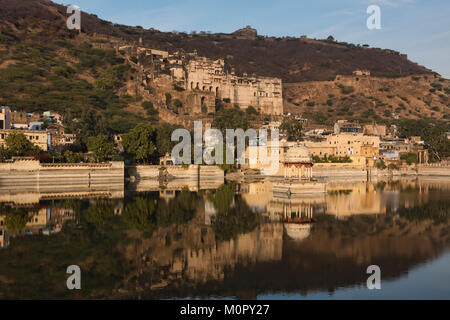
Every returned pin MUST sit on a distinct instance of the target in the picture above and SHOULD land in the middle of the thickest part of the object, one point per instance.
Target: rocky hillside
(46, 66)
(292, 59)
(369, 98)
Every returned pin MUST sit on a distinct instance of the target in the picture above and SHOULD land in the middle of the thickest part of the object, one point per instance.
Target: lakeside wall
(344, 170)
(19, 173)
(339, 170)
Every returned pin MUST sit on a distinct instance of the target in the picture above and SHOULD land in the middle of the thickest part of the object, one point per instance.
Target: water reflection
(226, 240)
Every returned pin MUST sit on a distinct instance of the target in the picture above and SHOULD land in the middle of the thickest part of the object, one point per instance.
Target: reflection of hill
(336, 253)
(176, 254)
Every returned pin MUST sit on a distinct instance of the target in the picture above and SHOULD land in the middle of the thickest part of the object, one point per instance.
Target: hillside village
(121, 81)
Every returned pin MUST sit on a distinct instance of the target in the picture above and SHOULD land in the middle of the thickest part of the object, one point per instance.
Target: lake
(231, 241)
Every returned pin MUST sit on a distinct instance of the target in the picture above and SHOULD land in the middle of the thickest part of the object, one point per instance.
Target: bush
(380, 165)
(177, 103)
(346, 89)
(149, 108)
(410, 158)
(72, 157)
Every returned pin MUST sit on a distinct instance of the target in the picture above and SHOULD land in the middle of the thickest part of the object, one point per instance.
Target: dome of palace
(298, 154)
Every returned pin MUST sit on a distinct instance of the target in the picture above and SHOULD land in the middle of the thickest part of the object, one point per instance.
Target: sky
(419, 28)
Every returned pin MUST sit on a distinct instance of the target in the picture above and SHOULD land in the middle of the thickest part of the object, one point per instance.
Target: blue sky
(419, 28)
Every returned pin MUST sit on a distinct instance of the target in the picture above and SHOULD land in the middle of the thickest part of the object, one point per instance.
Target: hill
(44, 66)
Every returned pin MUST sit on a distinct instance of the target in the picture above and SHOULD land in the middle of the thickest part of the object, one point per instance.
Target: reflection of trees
(237, 220)
(179, 211)
(147, 215)
(99, 213)
(438, 211)
(15, 219)
(138, 214)
(222, 199)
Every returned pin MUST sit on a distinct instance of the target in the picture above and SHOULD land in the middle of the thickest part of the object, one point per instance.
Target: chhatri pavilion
(298, 164)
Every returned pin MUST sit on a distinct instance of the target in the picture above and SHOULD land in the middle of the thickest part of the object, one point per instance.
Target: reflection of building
(45, 221)
(4, 237)
(346, 199)
(264, 198)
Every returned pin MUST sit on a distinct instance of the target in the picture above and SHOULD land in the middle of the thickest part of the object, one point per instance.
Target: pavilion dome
(298, 154)
(297, 232)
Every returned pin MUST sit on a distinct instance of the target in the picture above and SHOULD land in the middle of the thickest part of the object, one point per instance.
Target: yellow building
(38, 138)
(345, 144)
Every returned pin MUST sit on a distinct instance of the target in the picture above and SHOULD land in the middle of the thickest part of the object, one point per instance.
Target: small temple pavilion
(298, 163)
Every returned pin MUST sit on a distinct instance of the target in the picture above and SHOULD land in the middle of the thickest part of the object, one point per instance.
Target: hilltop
(46, 66)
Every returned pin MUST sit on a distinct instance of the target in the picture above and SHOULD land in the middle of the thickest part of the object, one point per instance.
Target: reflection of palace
(346, 199)
(46, 220)
(279, 206)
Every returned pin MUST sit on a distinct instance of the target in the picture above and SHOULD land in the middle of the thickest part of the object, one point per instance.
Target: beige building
(38, 138)
(346, 144)
(5, 118)
(375, 130)
(209, 76)
(365, 73)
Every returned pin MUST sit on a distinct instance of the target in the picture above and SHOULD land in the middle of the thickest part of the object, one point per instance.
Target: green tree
(17, 144)
(101, 147)
(140, 142)
(432, 132)
(164, 142)
(149, 108)
(72, 157)
(292, 128)
(380, 165)
(410, 158)
(230, 119)
(3, 154)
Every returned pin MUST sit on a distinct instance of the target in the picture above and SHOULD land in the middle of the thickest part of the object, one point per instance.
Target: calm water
(230, 241)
